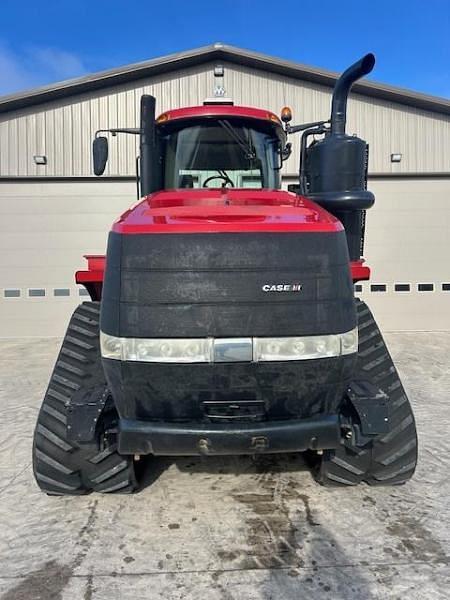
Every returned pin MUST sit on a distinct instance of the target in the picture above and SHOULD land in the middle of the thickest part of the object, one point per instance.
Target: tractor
(223, 319)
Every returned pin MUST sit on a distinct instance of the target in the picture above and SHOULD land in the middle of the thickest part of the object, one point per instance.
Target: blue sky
(47, 41)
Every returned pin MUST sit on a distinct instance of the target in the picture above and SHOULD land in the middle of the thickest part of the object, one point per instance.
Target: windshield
(219, 154)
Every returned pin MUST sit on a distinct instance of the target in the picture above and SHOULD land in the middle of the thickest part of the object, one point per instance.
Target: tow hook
(204, 445)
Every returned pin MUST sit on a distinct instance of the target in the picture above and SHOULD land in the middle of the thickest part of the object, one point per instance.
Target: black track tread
(54, 412)
(391, 458)
(60, 397)
(103, 454)
(61, 466)
(342, 467)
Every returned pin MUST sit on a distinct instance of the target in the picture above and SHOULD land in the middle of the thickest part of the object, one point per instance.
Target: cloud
(33, 66)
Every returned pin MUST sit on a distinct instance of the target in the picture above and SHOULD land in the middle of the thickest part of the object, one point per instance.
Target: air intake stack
(334, 169)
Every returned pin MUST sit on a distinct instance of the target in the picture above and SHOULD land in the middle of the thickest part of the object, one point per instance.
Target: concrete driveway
(227, 528)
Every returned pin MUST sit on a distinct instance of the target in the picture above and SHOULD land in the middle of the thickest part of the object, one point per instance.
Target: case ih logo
(282, 287)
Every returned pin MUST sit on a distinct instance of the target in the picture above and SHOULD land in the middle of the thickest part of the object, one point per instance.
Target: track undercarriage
(71, 461)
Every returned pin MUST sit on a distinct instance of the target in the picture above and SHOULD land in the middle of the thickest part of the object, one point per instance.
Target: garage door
(46, 227)
(408, 248)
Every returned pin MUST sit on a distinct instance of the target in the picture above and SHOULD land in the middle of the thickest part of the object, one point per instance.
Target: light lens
(110, 346)
(286, 114)
(204, 350)
(296, 348)
(163, 118)
(156, 350)
(349, 341)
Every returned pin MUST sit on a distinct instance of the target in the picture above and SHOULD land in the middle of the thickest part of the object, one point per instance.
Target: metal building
(53, 210)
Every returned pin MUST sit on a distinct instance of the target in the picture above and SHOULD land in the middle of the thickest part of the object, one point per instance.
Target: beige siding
(63, 130)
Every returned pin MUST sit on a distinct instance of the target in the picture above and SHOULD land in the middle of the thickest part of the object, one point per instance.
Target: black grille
(199, 285)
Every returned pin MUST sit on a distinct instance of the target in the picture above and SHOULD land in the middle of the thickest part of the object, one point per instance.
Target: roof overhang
(219, 110)
(215, 52)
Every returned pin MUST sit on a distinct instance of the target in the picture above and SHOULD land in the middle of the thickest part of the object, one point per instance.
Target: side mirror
(100, 154)
(286, 152)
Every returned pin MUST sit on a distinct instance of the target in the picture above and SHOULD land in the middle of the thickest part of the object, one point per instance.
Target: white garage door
(408, 247)
(46, 227)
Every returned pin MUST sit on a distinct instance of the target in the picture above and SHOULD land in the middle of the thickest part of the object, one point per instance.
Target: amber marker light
(286, 114)
(273, 118)
(163, 118)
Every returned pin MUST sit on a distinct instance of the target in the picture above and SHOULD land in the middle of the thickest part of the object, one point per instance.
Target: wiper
(242, 143)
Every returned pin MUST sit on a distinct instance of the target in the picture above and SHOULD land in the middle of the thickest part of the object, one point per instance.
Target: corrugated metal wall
(63, 130)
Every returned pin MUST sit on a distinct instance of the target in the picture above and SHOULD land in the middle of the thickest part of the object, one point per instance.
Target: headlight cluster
(156, 350)
(296, 348)
(206, 350)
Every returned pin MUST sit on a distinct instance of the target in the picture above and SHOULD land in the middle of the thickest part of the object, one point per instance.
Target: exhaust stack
(342, 89)
(333, 170)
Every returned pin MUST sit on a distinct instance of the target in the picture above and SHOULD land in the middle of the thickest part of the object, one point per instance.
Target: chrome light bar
(210, 350)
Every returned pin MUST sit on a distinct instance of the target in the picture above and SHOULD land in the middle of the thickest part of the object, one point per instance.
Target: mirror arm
(132, 130)
(295, 128)
(100, 146)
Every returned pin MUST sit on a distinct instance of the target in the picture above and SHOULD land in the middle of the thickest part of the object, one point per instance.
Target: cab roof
(218, 110)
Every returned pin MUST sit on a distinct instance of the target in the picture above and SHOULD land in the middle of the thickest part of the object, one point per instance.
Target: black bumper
(191, 439)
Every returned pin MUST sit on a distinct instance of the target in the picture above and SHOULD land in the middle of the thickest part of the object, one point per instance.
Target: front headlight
(170, 350)
(296, 348)
(205, 350)
(110, 346)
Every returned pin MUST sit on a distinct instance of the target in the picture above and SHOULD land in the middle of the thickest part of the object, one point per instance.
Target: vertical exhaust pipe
(342, 89)
(333, 170)
(148, 175)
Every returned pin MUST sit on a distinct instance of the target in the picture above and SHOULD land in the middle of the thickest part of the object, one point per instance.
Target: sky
(45, 41)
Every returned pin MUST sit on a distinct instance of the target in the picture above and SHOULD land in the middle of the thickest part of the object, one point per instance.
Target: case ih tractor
(223, 320)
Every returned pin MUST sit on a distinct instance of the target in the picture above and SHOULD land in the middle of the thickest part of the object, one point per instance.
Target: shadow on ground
(149, 469)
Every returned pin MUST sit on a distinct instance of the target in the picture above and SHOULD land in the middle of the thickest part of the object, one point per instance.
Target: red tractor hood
(224, 210)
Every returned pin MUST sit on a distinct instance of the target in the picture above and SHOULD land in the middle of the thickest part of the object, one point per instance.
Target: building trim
(216, 52)
(65, 178)
(422, 175)
(112, 178)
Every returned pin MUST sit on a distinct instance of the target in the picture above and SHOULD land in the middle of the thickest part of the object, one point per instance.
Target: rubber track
(391, 458)
(61, 466)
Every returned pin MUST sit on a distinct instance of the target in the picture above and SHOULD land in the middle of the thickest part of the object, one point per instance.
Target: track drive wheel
(389, 458)
(60, 465)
